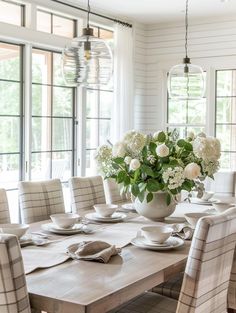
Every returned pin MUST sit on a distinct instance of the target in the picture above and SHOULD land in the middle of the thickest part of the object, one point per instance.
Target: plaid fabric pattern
(13, 291)
(112, 192)
(170, 288)
(38, 200)
(4, 209)
(232, 286)
(85, 192)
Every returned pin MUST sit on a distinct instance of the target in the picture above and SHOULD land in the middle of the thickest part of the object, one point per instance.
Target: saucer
(116, 217)
(171, 243)
(202, 202)
(51, 227)
(129, 207)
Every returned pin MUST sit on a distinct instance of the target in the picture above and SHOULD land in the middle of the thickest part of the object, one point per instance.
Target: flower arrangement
(145, 164)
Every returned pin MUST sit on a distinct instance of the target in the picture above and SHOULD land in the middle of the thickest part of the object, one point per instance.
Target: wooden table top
(82, 286)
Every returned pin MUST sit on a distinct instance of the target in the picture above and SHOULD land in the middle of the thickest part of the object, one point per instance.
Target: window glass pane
(226, 110)
(228, 160)
(41, 67)
(106, 100)
(9, 134)
(61, 165)
(62, 101)
(177, 112)
(62, 134)
(10, 13)
(41, 100)
(41, 134)
(9, 170)
(104, 131)
(40, 166)
(9, 98)
(9, 62)
(106, 34)
(92, 103)
(44, 22)
(58, 78)
(92, 134)
(196, 111)
(63, 26)
(226, 83)
(91, 167)
(227, 135)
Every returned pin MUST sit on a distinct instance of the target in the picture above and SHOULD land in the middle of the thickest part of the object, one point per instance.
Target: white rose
(118, 150)
(192, 171)
(128, 160)
(162, 150)
(191, 135)
(134, 164)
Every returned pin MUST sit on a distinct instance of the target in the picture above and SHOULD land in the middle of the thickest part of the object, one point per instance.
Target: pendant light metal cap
(88, 31)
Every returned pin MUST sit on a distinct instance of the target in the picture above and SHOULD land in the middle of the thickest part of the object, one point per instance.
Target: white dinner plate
(116, 217)
(171, 243)
(129, 207)
(202, 202)
(77, 228)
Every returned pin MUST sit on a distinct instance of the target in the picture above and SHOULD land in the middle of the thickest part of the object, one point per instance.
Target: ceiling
(159, 11)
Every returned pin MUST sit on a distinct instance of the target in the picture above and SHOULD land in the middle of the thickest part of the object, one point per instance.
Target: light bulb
(87, 54)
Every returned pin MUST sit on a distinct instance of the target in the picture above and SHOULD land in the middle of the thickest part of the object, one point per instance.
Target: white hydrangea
(173, 177)
(103, 153)
(210, 168)
(151, 158)
(207, 148)
(134, 142)
(118, 150)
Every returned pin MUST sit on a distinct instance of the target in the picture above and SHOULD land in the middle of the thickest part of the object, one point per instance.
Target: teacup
(157, 234)
(207, 195)
(192, 218)
(14, 229)
(65, 220)
(105, 210)
(222, 206)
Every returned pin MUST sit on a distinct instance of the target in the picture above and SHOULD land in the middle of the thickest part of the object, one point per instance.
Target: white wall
(212, 44)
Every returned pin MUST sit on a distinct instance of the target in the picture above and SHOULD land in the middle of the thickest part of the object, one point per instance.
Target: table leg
(231, 311)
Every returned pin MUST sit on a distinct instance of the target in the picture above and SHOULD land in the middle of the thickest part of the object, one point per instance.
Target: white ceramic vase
(157, 209)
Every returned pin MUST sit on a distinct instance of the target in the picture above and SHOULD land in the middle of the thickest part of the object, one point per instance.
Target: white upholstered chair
(4, 209)
(38, 200)
(13, 291)
(85, 192)
(207, 274)
(112, 192)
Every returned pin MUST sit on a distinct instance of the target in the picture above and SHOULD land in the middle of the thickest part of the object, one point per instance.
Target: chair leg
(231, 311)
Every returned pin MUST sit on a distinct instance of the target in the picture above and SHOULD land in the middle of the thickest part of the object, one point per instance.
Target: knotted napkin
(183, 231)
(99, 251)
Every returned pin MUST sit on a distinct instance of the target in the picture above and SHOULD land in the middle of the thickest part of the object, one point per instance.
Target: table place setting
(106, 213)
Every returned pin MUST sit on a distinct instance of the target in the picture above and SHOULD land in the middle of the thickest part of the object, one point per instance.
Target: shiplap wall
(160, 46)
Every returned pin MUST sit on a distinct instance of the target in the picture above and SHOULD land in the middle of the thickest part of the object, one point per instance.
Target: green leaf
(126, 180)
(118, 160)
(141, 196)
(188, 146)
(181, 143)
(135, 190)
(153, 185)
(147, 170)
(149, 197)
(152, 147)
(187, 185)
(168, 199)
(142, 186)
(161, 137)
(121, 177)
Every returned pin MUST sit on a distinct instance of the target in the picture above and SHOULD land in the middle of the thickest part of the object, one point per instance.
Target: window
(55, 24)
(226, 116)
(98, 114)
(12, 13)
(53, 119)
(186, 115)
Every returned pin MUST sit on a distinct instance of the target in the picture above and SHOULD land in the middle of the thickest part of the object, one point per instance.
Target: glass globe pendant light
(88, 60)
(186, 81)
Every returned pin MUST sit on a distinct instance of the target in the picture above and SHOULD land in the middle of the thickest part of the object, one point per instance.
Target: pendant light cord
(88, 13)
(186, 29)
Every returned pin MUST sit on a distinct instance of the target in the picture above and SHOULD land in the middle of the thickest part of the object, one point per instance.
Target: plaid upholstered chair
(14, 296)
(38, 200)
(112, 192)
(4, 209)
(85, 192)
(207, 274)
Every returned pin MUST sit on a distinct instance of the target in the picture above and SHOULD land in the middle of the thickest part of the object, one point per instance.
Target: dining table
(78, 286)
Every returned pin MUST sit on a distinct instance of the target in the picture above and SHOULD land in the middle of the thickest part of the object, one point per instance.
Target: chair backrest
(85, 192)
(112, 192)
(232, 286)
(38, 200)
(14, 296)
(207, 274)
(223, 184)
(4, 209)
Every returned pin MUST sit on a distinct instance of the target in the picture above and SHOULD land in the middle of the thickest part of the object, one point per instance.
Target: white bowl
(157, 234)
(192, 218)
(14, 229)
(207, 195)
(105, 210)
(221, 206)
(65, 220)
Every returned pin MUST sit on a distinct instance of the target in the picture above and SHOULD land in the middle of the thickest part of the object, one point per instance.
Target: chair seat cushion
(148, 302)
(170, 288)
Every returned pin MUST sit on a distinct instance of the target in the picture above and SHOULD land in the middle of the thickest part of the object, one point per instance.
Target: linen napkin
(99, 251)
(183, 231)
